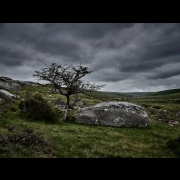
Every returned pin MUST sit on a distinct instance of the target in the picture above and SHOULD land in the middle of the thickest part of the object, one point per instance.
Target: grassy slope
(73, 140)
(166, 92)
(77, 140)
(107, 95)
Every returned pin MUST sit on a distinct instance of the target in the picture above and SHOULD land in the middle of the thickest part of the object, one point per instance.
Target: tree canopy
(67, 79)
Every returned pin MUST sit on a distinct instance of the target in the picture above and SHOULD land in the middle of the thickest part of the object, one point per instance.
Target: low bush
(174, 145)
(37, 108)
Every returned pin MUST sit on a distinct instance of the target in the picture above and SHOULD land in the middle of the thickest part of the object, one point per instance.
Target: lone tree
(67, 79)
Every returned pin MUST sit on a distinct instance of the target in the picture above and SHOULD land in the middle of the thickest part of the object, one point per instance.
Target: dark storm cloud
(139, 54)
(143, 66)
(164, 74)
(10, 57)
(1, 25)
(86, 30)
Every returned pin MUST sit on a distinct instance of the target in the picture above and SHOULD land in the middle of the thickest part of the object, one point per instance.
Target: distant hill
(166, 92)
(105, 94)
(137, 93)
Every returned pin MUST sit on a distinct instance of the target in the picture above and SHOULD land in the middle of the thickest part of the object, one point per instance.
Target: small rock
(17, 96)
(173, 123)
(79, 104)
(6, 95)
(178, 114)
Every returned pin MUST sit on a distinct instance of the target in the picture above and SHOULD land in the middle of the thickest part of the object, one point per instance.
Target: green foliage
(174, 145)
(70, 116)
(166, 92)
(36, 108)
(13, 109)
(71, 140)
(106, 95)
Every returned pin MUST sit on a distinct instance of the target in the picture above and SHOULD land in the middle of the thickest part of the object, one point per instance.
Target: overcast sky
(126, 57)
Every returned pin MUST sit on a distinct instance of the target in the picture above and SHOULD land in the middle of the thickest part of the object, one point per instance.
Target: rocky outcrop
(9, 84)
(29, 83)
(114, 114)
(6, 95)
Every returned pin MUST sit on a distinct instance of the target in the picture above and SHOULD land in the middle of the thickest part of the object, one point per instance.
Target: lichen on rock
(114, 113)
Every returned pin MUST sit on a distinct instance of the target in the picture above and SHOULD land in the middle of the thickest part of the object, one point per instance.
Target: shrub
(36, 108)
(13, 109)
(70, 116)
(174, 145)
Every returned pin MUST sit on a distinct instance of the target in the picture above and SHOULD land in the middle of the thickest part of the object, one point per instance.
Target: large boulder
(9, 84)
(6, 95)
(114, 113)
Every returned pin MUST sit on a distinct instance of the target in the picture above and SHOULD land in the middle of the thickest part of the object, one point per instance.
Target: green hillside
(166, 92)
(22, 137)
(137, 93)
(107, 95)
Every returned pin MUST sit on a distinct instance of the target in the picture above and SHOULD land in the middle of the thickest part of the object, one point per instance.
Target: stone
(17, 96)
(114, 113)
(152, 110)
(76, 108)
(54, 91)
(162, 113)
(6, 95)
(173, 123)
(178, 114)
(29, 83)
(9, 85)
(61, 107)
(79, 104)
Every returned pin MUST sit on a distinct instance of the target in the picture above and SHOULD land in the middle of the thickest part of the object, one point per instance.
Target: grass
(68, 139)
(171, 91)
(74, 140)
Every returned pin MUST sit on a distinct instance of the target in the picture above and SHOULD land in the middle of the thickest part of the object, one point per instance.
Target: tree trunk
(68, 105)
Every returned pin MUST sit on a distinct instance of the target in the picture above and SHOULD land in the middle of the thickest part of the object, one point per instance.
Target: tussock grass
(72, 140)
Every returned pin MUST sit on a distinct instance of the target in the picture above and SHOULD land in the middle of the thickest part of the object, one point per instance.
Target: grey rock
(29, 83)
(9, 84)
(152, 110)
(173, 123)
(17, 96)
(6, 95)
(162, 113)
(76, 108)
(79, 104)
(54, 91)
(178, 114)
(62, 107)
(114, 113)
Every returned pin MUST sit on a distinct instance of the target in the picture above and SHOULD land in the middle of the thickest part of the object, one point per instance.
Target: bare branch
(68, 78)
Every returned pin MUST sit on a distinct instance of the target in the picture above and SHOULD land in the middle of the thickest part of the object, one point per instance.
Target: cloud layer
(125, 56)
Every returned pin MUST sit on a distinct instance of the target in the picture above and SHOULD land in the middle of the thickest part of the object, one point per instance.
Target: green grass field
(21, 137)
